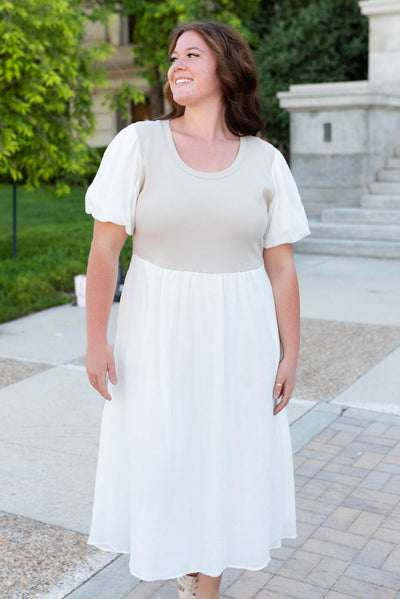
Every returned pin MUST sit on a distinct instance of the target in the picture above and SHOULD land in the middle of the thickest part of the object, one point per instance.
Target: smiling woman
(195, 470)
(235, 69)
(193, 73)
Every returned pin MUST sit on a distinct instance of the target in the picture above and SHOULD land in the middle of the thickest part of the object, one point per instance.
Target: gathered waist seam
(196, 272)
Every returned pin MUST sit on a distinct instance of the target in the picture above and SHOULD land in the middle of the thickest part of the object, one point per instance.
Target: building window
(137, 112)
(126, 30)
(131, 28)
(327, 131)
(141, 112)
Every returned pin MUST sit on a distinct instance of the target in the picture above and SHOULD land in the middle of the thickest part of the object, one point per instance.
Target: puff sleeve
(287, 221)
(113, 193)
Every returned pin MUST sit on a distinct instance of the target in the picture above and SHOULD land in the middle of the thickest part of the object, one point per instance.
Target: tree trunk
(14, 226)
(156, 96)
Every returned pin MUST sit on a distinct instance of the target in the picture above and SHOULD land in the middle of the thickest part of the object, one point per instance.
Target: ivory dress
(194, 471)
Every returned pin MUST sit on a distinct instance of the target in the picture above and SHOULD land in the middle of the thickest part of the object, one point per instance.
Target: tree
(307, 41)
(154, 20)
(46, 80)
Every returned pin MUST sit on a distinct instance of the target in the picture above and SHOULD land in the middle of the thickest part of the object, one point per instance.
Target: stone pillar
(384, 39)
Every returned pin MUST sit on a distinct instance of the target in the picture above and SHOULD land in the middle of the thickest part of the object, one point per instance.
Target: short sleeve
(113, 193)
(287, 221)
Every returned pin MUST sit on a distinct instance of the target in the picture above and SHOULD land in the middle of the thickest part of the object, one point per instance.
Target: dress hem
(278, 545)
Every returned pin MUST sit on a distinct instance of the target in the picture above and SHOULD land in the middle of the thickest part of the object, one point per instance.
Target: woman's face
(193, 72)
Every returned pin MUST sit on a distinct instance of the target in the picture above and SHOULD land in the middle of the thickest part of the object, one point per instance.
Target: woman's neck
(203, 122)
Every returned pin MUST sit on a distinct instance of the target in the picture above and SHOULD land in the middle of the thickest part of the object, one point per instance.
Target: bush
(54, 237)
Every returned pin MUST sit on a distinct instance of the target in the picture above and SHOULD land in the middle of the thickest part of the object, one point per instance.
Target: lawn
(53, 242)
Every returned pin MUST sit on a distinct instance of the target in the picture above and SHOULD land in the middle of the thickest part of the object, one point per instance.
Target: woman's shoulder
(139, 129)
(146, 125)
(147, 132)
(262, 148)
(261, 143)
(136, 137)
(146, 129)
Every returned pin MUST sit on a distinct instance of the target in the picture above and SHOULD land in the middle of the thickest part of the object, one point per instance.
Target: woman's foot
(198, 585)
(188, 585)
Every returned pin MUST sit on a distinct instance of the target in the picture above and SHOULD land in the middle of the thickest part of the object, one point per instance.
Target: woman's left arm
(280, 267)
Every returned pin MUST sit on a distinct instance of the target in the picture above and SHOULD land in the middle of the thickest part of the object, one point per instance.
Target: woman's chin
(180, 103)
(181, 99)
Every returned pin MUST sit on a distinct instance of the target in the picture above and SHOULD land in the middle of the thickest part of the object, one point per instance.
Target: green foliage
(117, 98)
(47, 80)
(54, 242)
(308, 41)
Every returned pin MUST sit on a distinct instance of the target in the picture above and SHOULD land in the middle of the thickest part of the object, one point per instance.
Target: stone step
(346, 247)
(361, 215)
(393, 162)
(355, 231)
(381, 202)
(389, 174)
(385, 187)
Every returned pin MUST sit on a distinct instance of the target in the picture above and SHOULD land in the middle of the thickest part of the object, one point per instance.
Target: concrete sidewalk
(346, 438)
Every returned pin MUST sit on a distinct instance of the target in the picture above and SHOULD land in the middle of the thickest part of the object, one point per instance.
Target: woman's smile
(183, 81)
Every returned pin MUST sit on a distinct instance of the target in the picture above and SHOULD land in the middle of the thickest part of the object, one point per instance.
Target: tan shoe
(187, 586)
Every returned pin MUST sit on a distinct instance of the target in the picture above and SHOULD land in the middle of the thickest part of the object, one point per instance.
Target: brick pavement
(348, 511)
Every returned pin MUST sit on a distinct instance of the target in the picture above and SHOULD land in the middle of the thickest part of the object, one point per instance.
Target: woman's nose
(179, 63)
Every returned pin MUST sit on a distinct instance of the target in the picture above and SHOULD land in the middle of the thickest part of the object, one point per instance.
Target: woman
(195, 468)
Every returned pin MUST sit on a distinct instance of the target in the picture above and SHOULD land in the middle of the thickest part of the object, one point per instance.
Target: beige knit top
(184, 219)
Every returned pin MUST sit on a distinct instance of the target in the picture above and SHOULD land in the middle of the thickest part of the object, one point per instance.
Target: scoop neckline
(204, 174)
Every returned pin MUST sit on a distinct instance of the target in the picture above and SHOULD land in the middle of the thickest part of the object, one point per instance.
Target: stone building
(119, 67)
(345, 148)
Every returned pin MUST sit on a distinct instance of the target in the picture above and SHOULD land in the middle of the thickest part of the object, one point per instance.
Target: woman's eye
(189, 55)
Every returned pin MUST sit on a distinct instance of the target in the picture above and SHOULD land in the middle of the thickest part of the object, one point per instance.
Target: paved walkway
(348, 510)
(346, 439)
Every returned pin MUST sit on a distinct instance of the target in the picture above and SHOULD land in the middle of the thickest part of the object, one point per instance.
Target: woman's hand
(284, 384)
(98, 362)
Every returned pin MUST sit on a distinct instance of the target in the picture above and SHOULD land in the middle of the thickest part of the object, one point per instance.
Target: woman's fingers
(112, 374)
(282, 403)
(99, 382)
(278, 387)
(283, 387)
(102, 387)
(99, 362)
(279, 390)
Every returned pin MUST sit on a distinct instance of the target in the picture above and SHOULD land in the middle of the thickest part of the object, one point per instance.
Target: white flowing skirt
(194, 472)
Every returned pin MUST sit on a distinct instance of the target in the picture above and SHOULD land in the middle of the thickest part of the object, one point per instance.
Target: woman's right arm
(101, 280)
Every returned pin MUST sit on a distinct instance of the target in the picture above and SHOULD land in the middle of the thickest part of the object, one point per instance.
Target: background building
(120, 67)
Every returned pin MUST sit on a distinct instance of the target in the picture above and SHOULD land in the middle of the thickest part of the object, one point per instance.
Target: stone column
(384, 39)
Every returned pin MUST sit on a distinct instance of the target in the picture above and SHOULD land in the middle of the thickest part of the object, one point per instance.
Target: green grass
(53, 242)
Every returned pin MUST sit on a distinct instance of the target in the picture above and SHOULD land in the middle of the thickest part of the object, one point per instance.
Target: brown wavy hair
(237, 73)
